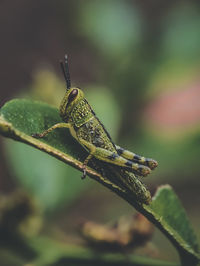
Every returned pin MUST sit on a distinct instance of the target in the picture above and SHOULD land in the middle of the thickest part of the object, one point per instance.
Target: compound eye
(72, 95)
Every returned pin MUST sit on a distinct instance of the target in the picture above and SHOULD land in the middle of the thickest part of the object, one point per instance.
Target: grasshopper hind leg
(113, 158)
(136, 158)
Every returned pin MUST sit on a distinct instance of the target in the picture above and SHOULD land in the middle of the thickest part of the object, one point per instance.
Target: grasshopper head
(70, 100)
(72, 95)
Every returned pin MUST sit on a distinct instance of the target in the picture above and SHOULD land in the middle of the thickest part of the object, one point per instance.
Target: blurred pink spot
(176, 109)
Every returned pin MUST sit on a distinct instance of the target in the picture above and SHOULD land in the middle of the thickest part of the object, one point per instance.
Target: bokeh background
(138, 63)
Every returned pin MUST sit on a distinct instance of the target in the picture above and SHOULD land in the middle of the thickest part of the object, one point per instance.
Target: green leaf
(170, 215)
(21, 118)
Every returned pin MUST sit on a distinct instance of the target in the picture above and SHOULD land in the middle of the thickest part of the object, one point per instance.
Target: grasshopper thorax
(71, 99)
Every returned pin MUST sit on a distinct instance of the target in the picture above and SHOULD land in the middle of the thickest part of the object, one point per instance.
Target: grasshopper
(85, 127)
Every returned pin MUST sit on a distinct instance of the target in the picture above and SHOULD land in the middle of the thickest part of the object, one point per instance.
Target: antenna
(65, 70)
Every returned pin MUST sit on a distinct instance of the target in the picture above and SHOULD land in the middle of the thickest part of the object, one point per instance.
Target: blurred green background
(138, 63)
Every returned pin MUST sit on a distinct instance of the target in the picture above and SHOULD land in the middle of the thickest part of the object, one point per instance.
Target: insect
(85, 127)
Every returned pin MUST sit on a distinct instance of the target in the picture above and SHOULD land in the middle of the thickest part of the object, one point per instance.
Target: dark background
(138, 63)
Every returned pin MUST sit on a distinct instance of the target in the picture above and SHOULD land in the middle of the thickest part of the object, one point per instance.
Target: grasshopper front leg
(136, 158)
(66, 125)
(44, 133)
(113, 158)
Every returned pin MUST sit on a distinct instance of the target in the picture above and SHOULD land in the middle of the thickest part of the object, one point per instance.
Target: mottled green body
(84, 123)
(93, 132)
(86, 128)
